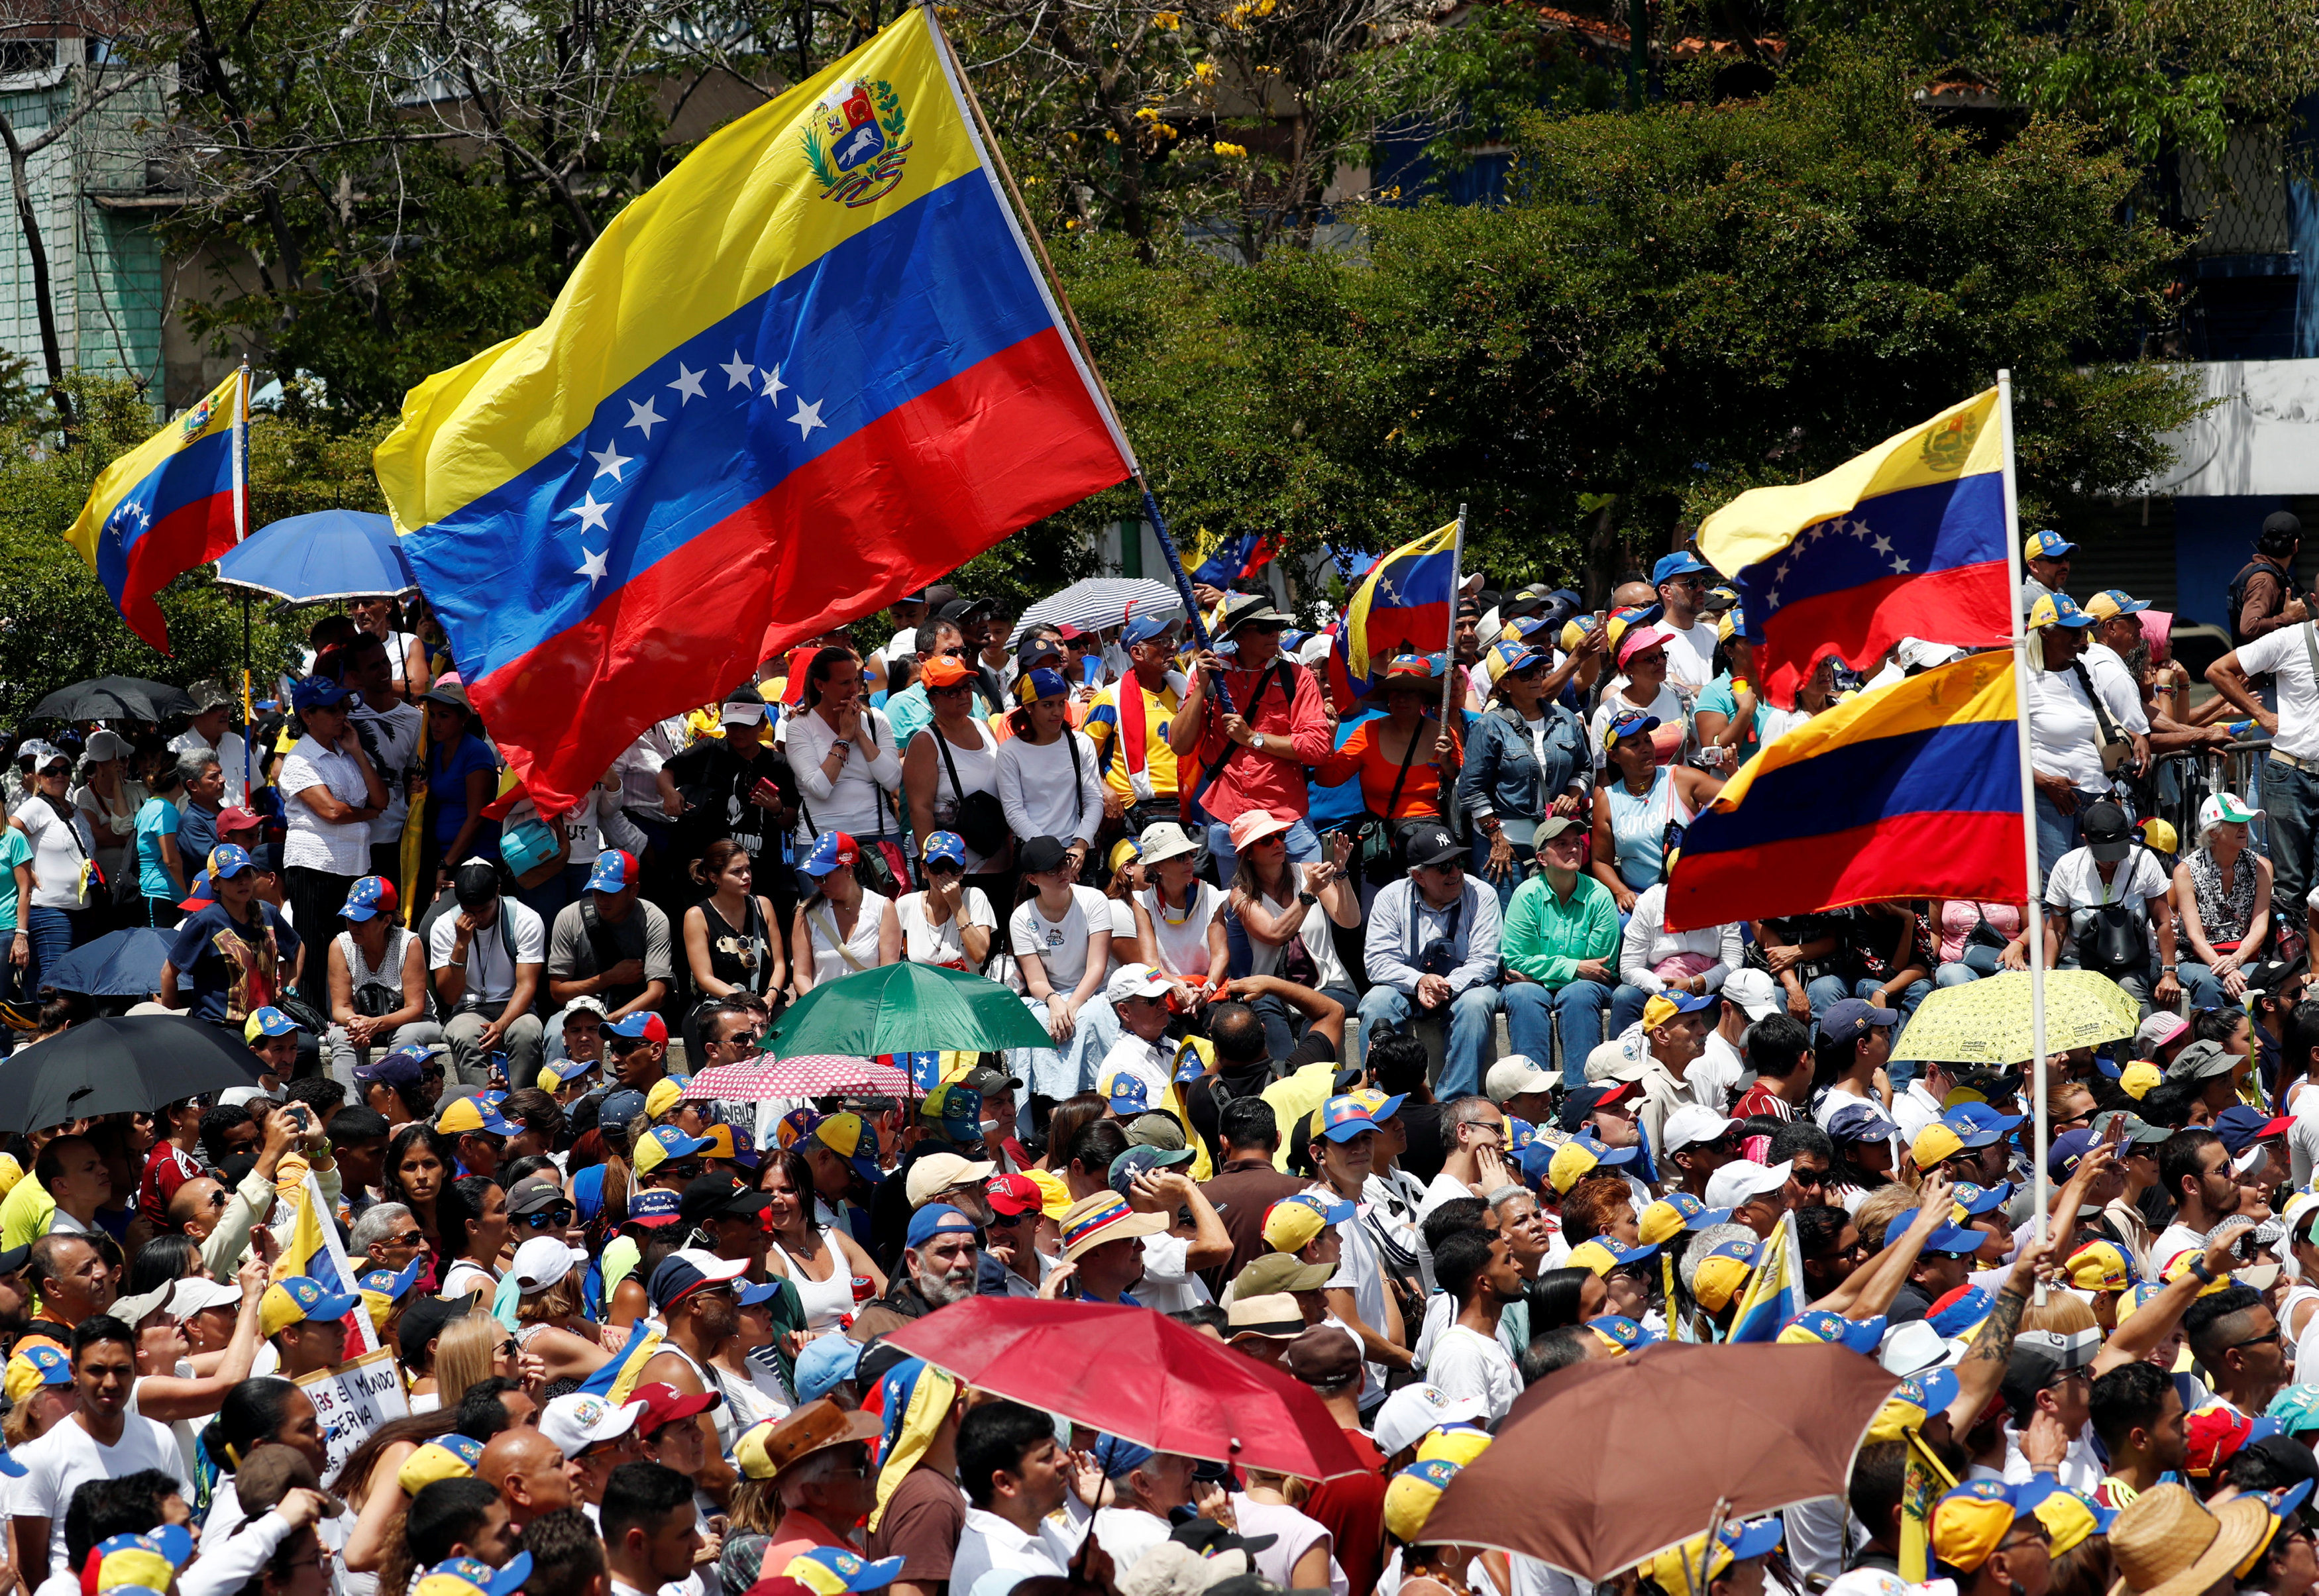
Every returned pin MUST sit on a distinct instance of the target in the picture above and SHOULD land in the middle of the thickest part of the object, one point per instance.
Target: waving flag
(1910, 791)
(616, 1381)
(1402, 606)
(166, 506)
(1774, 1292)
(1907, 540)
(1224, 561)
(809, 371)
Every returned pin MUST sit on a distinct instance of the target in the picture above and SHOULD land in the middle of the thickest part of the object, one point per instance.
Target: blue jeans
(2057, 833)
(1283, 1026)
(1626, 1008)
(1473, 1019)
(2204, 986)
(2290, 799)
(1524, 854)
(1954, 975)
(1302, 842)
(54, 932)
(1065, 1072)
(1531, 1011)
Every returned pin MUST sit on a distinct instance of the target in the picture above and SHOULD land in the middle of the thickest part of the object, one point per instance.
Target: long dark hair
(252, 1414)
(165, 1258)
(355, 1472)
(818, 671)
(791, 1162)
(390, 1183)
(1554, 1298)
(462, 1204)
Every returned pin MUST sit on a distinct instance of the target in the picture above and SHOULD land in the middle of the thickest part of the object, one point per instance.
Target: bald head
(529, 1471)
(194, 1208)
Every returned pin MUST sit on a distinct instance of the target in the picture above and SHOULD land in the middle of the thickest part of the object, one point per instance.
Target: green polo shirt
(1547, 936)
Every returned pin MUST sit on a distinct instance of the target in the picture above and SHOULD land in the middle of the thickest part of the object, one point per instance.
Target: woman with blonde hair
(473, 1350)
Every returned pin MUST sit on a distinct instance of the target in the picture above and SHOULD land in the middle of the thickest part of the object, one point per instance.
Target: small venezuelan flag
(1224, 561)
(1774, 1292)
(1907, 540)
(169, 504)
(812, 369)
(1402, 606)
(616, 1381)
(1913, 790)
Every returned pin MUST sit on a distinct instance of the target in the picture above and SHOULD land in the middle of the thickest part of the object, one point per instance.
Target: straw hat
(2165, 1542)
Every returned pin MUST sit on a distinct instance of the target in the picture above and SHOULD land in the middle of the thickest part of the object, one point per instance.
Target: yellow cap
(666, 1093)
(451, 1457)
(1409, 1499)
(1672, 1570)
(2137, 1078)
(1459, 1443)
(2161, 836)
(1935, 1144)
(1054, 1196)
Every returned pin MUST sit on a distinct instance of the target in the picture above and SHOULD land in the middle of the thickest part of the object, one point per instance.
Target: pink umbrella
(810, 1074)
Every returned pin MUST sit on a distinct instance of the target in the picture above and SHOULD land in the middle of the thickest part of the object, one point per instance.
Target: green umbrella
(905, 1009)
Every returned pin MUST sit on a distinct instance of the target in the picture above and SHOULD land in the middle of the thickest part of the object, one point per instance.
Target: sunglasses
(548, 1219)
(689, 1169)
(510, 1348)
(945, 867)
(955, 691)
(407, 1239)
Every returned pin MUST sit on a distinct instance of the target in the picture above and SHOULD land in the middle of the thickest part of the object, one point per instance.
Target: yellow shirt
(1297, 1097)
(25, 1214)
(1102, 729)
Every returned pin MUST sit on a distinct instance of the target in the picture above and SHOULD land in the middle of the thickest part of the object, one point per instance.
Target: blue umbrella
(119, 964)
(313, 559)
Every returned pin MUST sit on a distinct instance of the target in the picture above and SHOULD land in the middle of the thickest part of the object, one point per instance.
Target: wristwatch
(2199, 1268)
(1307, 899)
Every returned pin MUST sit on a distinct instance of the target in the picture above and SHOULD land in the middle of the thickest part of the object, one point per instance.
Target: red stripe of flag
(1968, 606)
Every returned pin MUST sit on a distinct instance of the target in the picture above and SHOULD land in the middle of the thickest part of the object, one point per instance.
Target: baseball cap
(731, 1143)
(2241, 1127)
(145, 1562)
(1834, 1330)
(1582, 1101)
(1676, 1214)
(1947, 1238)
(299, 1298)
(944, 844)
(1936, 1144)
(1676, 1569)
(2137, 1079)
(1681, 562)
(849, 1136)
(721, 1195)
(403, 1067)
(1850, 1018)
(1136, 981)
(1514, 1075)
(1140, 1160)
(2216, 1433)
(832, 851)
(638, 1023)
(580, 1419)
(2112, 602)
(1127, 1093)
(1977, 1124)
(957, 1107)
(663, 1403)
(2068, 1149)
(267, 1022)
(464, 1576)
(1031, 686)
(937, 1219)
(316, 692)
(1429, 844)
(938, 1172)
(1144, 628)
(665, 1094)
(2296, 1409)
(688, 1270)
(2058, 610)
(2201, 1060)
(1576, 1159)
(1291, 1223)
(1278, 1272)
(825, 1361)
(462, 1115)
(1969, 1522)
(1602, 1255)
(1722, 1272)
(2046, 544)
(368, 898)
(1664, 1006)
(1690, 1124)
(744, 705)
(446, 1457)
(1860, 1122)
(663, 1144)
(1741, 1179)
(616, 870)
(1010, 1195)
(1157, 1128)
(2157, 1031)
(197, 1294)
(31, 1368)
(1410, 1414)
(1344, 1117)
(833, 1571)
(1754, 991)
(1410, 1497)
(2102, 1265)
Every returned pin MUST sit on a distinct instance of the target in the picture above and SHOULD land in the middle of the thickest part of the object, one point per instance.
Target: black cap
(987, 1079)
(962, 609)
(475, 884)
(427, 1318)
(1208, 1538)
(2282, 524)
(2107, 831)
(1430, 844)
(1581, 1103)
(720, 1193)
(1532, 600)
(1041, 853)
(15, 1258)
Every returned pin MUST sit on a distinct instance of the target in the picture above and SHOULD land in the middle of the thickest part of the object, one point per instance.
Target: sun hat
(1250, 826)
(938, 1172)
(2166, 1542)
(1164, 839)
(1104, 1216)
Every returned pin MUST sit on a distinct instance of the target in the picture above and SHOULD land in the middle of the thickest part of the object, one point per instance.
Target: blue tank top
(1638, 828)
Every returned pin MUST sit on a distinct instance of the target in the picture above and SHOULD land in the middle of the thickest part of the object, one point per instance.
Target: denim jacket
(1502, 774)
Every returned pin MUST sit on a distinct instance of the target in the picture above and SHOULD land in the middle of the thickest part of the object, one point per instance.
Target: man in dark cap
(2262, 594)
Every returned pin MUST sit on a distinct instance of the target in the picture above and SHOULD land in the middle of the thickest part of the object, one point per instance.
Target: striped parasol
(1100, 603)
(813, 1075)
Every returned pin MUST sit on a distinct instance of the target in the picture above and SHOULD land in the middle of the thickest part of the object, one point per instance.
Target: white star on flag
(1883, 545)
(688, 382)
(590, 513)
(592, 564)
(808, 418)
(773, 384)
(736, 372)
(609, 459)
(644, 417)
(1899, 564)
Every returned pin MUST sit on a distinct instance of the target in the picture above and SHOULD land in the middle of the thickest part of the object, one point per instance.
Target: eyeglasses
(689, 1169)
(1685, 581)
(1808, 1178)
(407, 1239)
(956, 691)
(511, 1347)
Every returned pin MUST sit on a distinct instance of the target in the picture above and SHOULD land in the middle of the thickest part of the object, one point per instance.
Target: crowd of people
(1371, 1057)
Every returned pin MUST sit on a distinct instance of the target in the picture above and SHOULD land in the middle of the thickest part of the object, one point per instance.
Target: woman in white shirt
(1282, 906)
(849, 773)
(949, 922)
(378, 978)
(63, 856)
(949, 761)
(473, 1214)
(109, 798)
(843, 926)
(1050, 779)
(1180, 927)
(1060, 934)
(330, 793)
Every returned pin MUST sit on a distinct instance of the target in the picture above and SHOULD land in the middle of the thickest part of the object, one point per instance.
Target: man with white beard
(939, 1259)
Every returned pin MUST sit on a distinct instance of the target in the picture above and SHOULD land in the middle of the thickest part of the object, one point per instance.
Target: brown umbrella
(1603, 1464)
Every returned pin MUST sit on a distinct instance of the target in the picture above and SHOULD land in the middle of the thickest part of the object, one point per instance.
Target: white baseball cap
(1689, 1124)
(542, 1261)
(1513, 1075)
(1739, 1180)
(1755, 991)
(1410, 1413)
(197, 1294)
(1611, 1061)
(1136, 981)
(579, 1419)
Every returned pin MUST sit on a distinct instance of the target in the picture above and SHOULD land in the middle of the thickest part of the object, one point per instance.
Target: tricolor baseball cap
(616, 870)
(663, 1144)
(2058, 610)
(833, 1571)
(226, 860)
(1818, 1324)
(299, 1298)
(267, 1022)
(1344, 1117)
(1127, 1094)
(368, 898)
(463, 1115)
(146, 1561)
(466, 1576)
(1291, 1223)
(199, 896)
(1722, 1272)
(849, 1136)
(2046, 545)
(654, 1209)
(1971, 1522)
(688, 1270)
(1602, 1255)
(833, 850)
(2102, 1266)
(1676, 1214)
(732, 1144)
(641, 1023)
(446, 1457)
(1577, 1158)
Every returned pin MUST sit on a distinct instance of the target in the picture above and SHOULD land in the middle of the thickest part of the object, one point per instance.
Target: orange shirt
(1420, 789)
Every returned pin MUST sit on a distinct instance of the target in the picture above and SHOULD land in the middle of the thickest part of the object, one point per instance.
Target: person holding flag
(1250, 726)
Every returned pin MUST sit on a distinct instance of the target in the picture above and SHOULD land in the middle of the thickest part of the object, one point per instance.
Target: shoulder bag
(1378, 852)
(981, 818)
(2115, 751)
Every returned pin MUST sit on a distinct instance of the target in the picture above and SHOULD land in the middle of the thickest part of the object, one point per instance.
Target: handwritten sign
(351, 1401)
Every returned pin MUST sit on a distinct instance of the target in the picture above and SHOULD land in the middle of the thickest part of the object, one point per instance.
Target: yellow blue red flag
(171, 503)
(810, 370)
(1774, 1292)
(616, 1381)
(1907, 540)
(1404, 605)
(1913, 790)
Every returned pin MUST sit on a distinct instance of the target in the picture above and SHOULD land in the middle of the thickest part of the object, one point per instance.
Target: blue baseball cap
(2068, 1147)
(1818, 1324)
(1043, 683)
(638, 1023)
(1144, 628)
(1982, 1199)
(1342, 1118)
(1037, 643)
(1128, 1094)
(1971, 1304)
(2047, 545)
(2241, 1127)
(1681, 562)
(1977, 1124)
(1634, 723)
(937, 1219)
(229, 860)
(825, 1361)
(269, 1021)
(842, 1570)
(368, 898)
(619, 1107)
(749, 1294)
(957, 1109)
(401, 1067)
(1859, 1121)
(616, 868)
(945, 845)
(392, 1284)
(2057, 609)
(316, 692)
(1118, 1457)
(571, 1068)
(1943, 1239)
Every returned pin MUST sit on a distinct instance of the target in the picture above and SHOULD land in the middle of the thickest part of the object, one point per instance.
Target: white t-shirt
(1184, 943)
(1360, 1272)
(342, 848)
(1714, 1075)
(830, 964)
(2281, 653)
(1061, 948)
(1690, 654)
(2064, 738)
(1038, 792)
(1466, 1363)
(463, 1277)
(1146, 1061)
(1318, 942)
(1666, 707)
(68, 1458)
(231, 752)
(2121, 694)
(924, 943)
(2077, 884)
(2172, 1242)
(489, 977)
(59, 846)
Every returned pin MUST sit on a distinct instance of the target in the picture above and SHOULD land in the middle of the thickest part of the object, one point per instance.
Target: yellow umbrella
(1987, 1020)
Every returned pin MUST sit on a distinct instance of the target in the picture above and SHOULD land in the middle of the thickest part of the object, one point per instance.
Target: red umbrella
(811, 1075)
(1135, 1372)
(1604, 1463)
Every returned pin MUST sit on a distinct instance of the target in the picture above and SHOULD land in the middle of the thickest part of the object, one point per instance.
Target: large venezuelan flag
(1402, 604)
(1913, 790)
(810, 370)
(166, 506)
(1907, 540)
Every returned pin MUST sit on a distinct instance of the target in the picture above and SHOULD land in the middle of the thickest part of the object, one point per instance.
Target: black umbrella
(114, 697)
(134, 1063)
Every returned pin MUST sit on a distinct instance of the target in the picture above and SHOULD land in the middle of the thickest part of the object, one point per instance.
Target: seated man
(487, 960)
(612, 945)
(2106, 903)
(1561, 948)
(1432, 949)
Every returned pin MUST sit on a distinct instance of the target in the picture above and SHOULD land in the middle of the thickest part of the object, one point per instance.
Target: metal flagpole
(2036, 925)
(240, 532)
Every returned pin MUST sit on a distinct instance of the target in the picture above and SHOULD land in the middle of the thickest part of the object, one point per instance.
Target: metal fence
(2178, 783)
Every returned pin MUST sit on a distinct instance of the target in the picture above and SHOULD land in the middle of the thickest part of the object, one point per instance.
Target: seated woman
(1637, 800)
(1963, 952)
(2222, 893)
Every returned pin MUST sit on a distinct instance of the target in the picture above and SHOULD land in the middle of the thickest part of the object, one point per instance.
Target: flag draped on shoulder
(616, 1381)
(1913, 790)
(1907, 540)
(812, 369)
(1404, 604)
(172, 502)
(1774, 1292)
